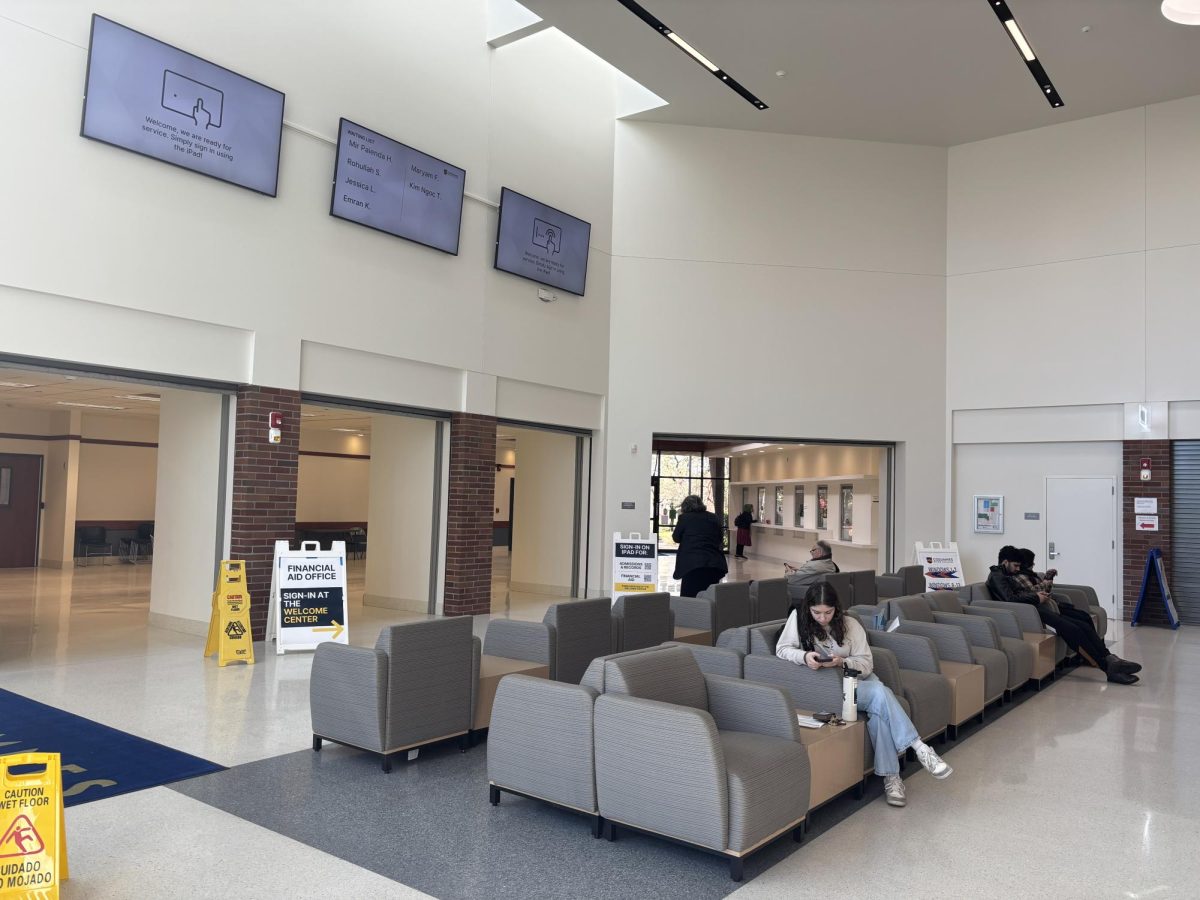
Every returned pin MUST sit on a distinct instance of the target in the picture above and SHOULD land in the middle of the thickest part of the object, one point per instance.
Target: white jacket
(854, 650)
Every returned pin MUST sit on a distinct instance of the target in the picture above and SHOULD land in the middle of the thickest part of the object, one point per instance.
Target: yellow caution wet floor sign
(33, 836)
(229, 625)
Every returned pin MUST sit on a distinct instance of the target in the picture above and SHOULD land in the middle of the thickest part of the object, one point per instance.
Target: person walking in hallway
(700, 561)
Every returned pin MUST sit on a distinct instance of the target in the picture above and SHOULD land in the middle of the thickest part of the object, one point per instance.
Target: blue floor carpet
(98, 761)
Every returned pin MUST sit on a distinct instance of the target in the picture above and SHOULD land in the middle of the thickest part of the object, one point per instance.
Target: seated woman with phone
(819, 635)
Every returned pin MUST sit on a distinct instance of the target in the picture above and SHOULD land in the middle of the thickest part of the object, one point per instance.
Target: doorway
(20, 509)
(1081, 535)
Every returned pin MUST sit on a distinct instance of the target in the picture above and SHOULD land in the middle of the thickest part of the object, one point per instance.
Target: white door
(1081, 515)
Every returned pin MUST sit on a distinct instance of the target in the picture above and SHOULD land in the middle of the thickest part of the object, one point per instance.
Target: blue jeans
(889, 727)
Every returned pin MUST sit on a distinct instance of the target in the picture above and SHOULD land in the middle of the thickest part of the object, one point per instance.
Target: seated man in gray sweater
(800, 579)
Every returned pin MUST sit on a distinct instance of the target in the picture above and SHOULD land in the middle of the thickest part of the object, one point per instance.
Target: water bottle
(849, 695)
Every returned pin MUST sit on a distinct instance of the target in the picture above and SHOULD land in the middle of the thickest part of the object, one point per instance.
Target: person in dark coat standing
(700, 561)
(743, 523)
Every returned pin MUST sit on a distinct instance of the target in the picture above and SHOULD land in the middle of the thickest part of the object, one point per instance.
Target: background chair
(92, 541)
(769, 600)
(722, 606)
(642, 620)
(415, 686)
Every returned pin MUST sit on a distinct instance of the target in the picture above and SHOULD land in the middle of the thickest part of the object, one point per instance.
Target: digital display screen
(391, 187)
(542, 243)
(156, 100)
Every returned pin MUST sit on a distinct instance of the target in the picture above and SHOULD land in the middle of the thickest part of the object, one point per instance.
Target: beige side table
(1044, 646)
(491, 670)
(835, 759)
(967, 689)
(693, 636)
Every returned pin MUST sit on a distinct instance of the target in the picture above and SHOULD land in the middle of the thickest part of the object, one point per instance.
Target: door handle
(1053, 553)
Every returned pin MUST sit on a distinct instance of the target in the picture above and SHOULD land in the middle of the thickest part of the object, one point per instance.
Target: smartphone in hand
(822, 658)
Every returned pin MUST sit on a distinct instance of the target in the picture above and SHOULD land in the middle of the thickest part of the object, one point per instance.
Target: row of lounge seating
(697, 742)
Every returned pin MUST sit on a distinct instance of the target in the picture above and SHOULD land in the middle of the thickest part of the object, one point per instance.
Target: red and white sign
(1145, 523)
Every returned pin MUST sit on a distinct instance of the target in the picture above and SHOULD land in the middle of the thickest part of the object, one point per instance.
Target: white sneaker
(934, 764)
(893, 790)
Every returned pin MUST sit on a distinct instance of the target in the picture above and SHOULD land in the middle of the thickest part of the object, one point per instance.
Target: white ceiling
(51, 392)
(939, 72)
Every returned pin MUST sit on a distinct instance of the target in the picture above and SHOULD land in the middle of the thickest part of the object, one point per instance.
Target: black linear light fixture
(721, 75)
(1009, 21)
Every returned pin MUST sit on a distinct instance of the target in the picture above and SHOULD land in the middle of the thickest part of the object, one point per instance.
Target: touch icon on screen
(202, 103)
(547, 235)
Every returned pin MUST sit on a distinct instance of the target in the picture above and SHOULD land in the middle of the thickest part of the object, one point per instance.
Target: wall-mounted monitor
(154, 99)
(542, 243)
(391, 187)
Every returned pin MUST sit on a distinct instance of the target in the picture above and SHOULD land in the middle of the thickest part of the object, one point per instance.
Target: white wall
(1019, 472)
(778, 286)
(544, 513)
(332, 488)
(400, 510)
(108, 268)
(117, 481)
(1082, 240)
(185, 521)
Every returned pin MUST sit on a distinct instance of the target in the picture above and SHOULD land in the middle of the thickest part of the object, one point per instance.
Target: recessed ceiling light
(1183, 12)
(348, 430)
(15, 384)
(1019, 39)
(149, 398)
(308, 415)
(88, 405)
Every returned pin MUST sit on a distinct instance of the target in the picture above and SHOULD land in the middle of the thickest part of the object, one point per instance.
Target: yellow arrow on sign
(335, 628)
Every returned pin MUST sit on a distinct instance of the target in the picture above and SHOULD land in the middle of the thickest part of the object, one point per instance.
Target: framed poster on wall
(822, 507)
(762, 505)
(989, 513)
(798, 508)
(778, 504)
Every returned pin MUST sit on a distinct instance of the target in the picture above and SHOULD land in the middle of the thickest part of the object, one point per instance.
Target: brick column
(469, 517)
(1137, 544)
(264, 489)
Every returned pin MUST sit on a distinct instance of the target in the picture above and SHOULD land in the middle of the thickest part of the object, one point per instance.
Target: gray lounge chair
(722, 606)
(709, 761)
(769, 600)
(415, 686)
(642, 620)
(570, 635)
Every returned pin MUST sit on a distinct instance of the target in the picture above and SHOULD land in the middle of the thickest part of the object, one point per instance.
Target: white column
(543, 515)
(400, 513)
(185, 510)
(62, 491)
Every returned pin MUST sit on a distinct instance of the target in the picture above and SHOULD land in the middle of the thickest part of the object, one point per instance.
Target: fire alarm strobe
(274, 427)
(1145, 468)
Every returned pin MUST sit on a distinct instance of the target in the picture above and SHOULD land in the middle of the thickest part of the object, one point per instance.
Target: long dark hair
(820, 594)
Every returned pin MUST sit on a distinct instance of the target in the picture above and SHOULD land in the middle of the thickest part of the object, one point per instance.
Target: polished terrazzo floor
(1086, 790)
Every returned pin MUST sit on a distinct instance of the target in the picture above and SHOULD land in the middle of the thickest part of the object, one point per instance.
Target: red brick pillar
(264, 489)
(1137, 544)
(469, 517)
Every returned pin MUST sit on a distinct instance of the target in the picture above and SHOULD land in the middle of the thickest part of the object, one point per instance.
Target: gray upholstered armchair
(540, 744)
(415, 686)
(863, 588)
(568, 638)
(769, 600)
(724, 605)
(1084, 597)
(642, 620)
(709, 761)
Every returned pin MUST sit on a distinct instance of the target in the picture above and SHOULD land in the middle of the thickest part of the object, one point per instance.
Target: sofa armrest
(914, 652)
(347, 694)
(980, 631)
(714, 660)
(887, 669)
(949, 641)
(738, 705)
(817, 690)
(514, 639)
(541, 740)
(1025, 613)
(661, 767)
(1005, 622)
(693, 612)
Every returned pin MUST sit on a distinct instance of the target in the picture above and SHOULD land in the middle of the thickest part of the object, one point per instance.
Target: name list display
(157, 100)
(389, 186)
